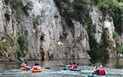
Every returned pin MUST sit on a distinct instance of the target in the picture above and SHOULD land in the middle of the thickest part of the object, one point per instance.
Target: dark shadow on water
(101, 61)
(110, 63)
(119, 66)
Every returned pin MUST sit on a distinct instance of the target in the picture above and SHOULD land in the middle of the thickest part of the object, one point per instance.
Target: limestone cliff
(39, 29)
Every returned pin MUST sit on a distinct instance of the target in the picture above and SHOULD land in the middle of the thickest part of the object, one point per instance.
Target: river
(113, 68)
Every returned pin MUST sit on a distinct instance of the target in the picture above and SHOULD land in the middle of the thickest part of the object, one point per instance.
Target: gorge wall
(42, 29)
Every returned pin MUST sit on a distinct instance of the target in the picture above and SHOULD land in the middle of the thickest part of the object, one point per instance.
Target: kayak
(34, 71)
(72, 69)
(25, 68)
(94, 75)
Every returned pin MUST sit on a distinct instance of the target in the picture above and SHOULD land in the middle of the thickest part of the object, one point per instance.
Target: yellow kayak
(23, 68)
(37, 70)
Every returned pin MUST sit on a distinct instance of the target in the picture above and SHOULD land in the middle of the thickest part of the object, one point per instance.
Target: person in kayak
(74, 65)
(70, 65)
(24, 65)
(36, 67)
(101, 70)
(95, 70)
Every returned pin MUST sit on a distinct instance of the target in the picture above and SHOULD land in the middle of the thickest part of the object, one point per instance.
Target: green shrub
(23, 44)
(105, 38)
(36, 20)
(120, 49)
(115, 35)
(71, 13)
(6, 44)
(16, 4)
(10, 39)
(99, 52)
(3, 46)
(25, 9)
(19, 53)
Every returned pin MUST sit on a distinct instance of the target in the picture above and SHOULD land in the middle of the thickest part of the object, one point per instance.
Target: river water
(113, 68)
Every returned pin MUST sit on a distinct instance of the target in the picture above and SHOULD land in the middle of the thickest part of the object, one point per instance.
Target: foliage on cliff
(79, 10)
(114, 8)
(23, 44)
(18, 4)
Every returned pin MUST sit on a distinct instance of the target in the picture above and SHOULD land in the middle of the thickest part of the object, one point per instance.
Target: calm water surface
(113, 68)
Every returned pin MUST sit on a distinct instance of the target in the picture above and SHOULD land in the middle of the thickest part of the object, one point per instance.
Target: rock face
(96, 16)
(47, 33)
(99, 23)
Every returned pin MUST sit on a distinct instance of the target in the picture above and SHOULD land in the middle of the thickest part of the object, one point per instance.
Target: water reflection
(110, 63)
(8, 65)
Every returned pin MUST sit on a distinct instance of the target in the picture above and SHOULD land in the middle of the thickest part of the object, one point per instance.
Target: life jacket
(74, 65)
(70, 66)
(35, 68)
(101, 72)
(96, 72)
(23, 65)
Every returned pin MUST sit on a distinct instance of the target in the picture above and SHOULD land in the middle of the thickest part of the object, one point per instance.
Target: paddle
(20, 60)
(61, 64)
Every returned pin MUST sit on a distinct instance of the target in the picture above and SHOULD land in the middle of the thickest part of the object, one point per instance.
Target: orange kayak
(37, 70)
(23, 68)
